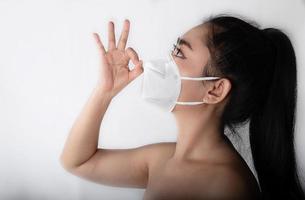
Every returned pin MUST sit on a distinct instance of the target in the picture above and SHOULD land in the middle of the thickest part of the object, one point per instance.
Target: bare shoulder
(160, 152)
(233, 182)
(163, 149)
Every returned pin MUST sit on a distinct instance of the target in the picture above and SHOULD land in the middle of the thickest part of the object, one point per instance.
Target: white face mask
(161, 84)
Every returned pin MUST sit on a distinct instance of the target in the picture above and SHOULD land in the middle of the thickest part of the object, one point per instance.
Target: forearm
(82, 140)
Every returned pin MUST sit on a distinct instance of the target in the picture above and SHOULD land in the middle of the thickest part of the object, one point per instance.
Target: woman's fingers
(137, 70)
(132, 54)
(99, 44)
(111, 36)
(124, 35)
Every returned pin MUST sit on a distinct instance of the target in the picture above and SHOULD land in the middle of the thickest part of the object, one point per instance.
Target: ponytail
(271, 126)
(261, 66)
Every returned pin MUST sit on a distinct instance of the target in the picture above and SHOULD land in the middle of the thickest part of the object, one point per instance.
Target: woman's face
(191, 60)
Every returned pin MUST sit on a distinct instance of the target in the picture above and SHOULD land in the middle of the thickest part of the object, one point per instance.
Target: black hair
(261, 67)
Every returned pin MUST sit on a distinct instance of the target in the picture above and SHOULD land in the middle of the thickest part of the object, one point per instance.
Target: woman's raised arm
(82, 141)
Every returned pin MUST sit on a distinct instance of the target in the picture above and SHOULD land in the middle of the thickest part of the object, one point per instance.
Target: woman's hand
(114, 72)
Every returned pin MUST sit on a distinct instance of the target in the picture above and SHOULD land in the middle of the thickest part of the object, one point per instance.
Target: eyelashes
(178, 51)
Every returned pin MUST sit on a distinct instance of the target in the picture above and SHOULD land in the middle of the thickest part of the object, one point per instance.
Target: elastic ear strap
(199, 78)
(189, 103)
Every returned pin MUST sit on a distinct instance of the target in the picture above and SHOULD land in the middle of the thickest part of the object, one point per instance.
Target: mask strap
(189, 103)
(199, 78)
(195, 79)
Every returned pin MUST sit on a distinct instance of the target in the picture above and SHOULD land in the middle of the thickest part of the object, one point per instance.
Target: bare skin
(202, 164)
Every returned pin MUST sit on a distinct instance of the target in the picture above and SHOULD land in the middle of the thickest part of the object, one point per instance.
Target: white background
(49, 65)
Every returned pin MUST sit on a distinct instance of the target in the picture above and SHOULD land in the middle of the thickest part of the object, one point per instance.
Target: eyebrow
(181, 41)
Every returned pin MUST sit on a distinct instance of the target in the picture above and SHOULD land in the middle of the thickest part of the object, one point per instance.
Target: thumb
(137, 70)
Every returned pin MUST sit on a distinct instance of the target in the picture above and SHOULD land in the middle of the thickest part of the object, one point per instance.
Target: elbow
(68, 166)
(63, 163)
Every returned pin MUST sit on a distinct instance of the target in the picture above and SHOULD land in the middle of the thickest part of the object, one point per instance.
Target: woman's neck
(199, 131)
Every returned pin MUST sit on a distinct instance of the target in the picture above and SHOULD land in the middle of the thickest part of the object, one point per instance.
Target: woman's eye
(177, 52)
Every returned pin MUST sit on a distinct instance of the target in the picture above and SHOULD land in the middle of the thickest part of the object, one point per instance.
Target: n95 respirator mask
(161, 83)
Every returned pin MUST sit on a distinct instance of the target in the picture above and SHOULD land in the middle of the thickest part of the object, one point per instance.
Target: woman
(258, 84)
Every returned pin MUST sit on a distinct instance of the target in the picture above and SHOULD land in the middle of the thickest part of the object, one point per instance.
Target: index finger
(124, 35)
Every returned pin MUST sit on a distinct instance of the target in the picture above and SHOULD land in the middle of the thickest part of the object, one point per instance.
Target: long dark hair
(261, 66)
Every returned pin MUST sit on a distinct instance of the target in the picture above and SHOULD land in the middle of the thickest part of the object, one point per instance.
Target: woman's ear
(217, 91)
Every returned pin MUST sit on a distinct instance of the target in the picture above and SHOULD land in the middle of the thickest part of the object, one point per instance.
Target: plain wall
(49, 66)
